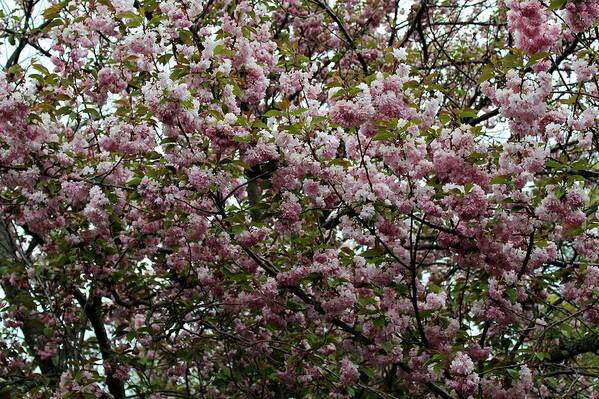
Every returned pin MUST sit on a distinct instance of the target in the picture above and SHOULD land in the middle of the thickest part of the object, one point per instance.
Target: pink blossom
(349, 372)
(528, 20)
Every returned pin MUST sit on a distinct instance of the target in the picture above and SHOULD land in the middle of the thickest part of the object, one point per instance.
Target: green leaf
(222, 50)
(411, 84)
(468, 113)
(385, 135)
(55, 9)
(37, 77)
(581, 164)
(236, 91)
(560, 191)
(53, 187)
(164, 58)
(444, 117)
(128, 15)
(94, 114)
(370, 78)
(243, 139)
(553, 164)
(505, 179)
(487, 73)
(60, 260)
(272, 113)
(569, 101)
(185, 36)
(511, 61)
(512, 295)
(574, 178)
(514, 374)
(557, 4)
(536, 58)
(54, 23)
(388, 347)
(368, 372)
(475, 157)
(238, 229)
(134, 182)
(372, 252)
(434, 288)
(299, 111)
(366, 301)
(379, 322)
(40, 68)
(15, 70)
(242, 120)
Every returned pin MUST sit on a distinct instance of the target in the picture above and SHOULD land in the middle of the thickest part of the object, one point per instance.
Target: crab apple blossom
(299, 199)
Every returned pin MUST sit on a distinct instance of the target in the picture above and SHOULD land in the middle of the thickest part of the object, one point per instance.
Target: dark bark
(92, 308)
(22, 301)
(570, 349)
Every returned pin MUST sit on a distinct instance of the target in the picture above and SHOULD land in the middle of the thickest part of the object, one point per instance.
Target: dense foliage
(299, 199)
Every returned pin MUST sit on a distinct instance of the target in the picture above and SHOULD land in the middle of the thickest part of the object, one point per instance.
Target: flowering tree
(299, 198)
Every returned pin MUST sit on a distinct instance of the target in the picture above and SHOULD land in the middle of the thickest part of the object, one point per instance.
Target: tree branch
(569, 50)
(414, 24)
(344, 31)
(22, 299)
(91, 307)
(570, 349)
